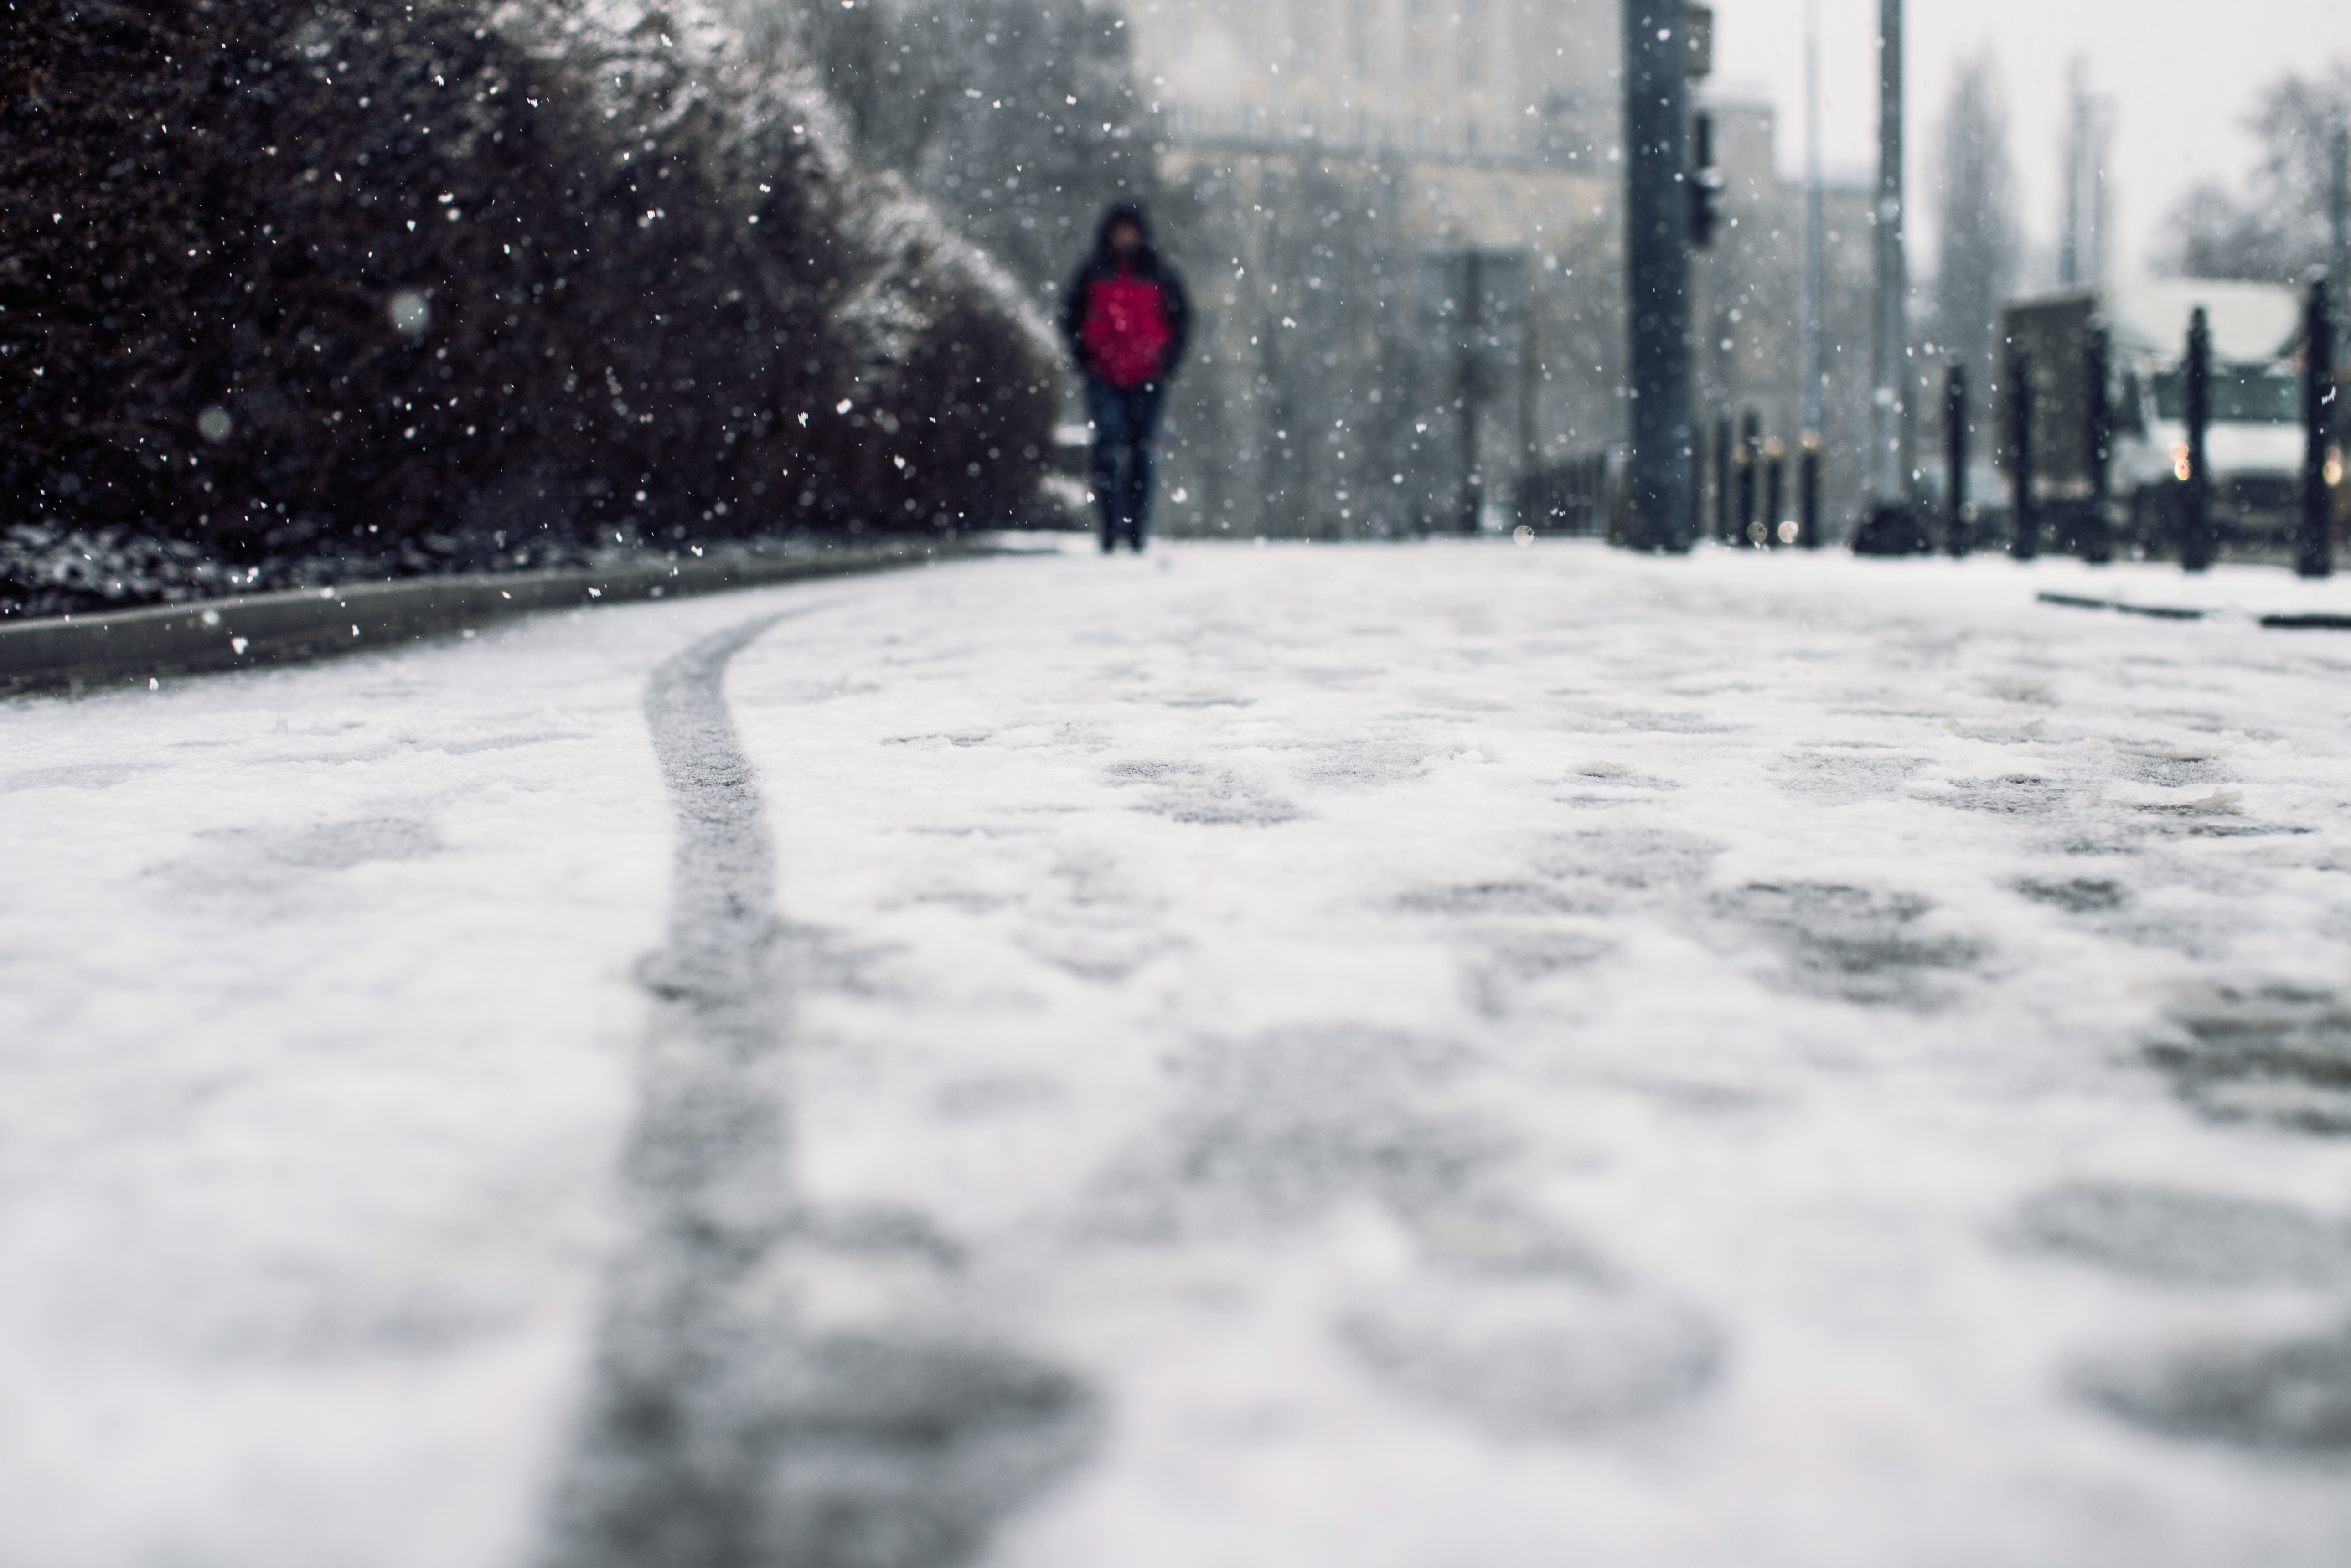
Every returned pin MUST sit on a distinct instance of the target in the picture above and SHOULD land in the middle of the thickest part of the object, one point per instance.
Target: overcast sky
(2182, 75)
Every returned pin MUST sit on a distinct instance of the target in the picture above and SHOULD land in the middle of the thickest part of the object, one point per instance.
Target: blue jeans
(1125, 422)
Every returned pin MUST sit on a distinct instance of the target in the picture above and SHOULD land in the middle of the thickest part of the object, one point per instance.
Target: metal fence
(1575, 497)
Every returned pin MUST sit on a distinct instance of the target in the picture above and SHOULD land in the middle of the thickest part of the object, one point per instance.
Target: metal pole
(1815, 220)
(1955, 457)
(1889, 470)
(2069, 239)
(1473, 497)
(2020, 455)
(1775, 465)
(2101, 230)
(1660, 477)
(2339, 210)
(2315, 554)
(2196, 492)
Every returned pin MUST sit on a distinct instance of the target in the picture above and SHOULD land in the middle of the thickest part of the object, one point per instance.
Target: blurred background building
(1751, 284)
(1399, 218)
(1402, 222)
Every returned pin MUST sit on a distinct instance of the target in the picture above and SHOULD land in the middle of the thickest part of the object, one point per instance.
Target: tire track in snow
(733, 1420)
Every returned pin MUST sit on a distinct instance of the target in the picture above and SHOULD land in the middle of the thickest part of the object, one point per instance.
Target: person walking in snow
(1126, 320)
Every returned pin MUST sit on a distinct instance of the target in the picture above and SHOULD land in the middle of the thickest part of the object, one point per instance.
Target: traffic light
(1705, 181)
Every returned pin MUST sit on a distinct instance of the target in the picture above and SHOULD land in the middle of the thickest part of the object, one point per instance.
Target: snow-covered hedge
(399, 284)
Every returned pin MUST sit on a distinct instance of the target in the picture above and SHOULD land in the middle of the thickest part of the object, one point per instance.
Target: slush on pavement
(1276, 1056)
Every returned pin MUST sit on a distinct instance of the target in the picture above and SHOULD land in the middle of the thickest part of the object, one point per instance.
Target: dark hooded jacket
(1086, 294)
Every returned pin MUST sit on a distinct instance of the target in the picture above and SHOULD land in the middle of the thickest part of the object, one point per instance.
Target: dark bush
(400, 286)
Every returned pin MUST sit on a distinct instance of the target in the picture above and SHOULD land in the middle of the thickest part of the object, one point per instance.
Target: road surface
(1393, 1057)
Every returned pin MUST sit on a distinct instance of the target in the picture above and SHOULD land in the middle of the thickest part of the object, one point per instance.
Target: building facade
(1396, 215)
(1403, 222)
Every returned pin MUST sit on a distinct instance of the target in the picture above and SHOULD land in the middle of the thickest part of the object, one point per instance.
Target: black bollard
(1775, 467)
(1749, 431)
(1722, 478)
(1956, 517)
(2097, 541)
(2315, 541)
(1473, 391)
(1807, 492)
(2020, 455)
(2193, 471)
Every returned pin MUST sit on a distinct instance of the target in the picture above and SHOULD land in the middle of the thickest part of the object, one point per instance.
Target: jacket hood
(1122, 213)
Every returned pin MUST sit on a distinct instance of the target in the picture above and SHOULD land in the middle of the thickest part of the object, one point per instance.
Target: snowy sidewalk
(1414, 1056)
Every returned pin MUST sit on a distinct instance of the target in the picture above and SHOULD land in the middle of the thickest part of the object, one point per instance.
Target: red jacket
(1126, 324)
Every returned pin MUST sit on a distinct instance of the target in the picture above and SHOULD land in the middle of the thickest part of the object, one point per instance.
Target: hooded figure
(1126, 318)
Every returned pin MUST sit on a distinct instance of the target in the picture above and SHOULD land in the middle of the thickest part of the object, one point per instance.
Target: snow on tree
(2273, 226)
(1977, 245)
(1018, 118)
(297, 289)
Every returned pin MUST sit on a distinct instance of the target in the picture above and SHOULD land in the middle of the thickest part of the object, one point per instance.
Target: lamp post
(1816, 221)
(1814, 362)
(1472, 390)
(2338, 208)
(1889, 463)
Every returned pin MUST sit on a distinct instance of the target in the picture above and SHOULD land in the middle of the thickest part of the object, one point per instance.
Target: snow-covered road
(1400, 1057)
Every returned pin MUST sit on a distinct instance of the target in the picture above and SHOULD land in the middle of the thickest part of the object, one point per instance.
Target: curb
(2159, 611)
(76, 653)
(2311, 621)
(2316, 620)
